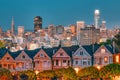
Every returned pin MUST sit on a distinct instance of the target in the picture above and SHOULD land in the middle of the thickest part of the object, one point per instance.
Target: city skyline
(57, 12)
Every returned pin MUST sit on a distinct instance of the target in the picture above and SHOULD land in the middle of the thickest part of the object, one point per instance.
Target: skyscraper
(97, 17)
(80, 24)
(37, 23)
(12, 27)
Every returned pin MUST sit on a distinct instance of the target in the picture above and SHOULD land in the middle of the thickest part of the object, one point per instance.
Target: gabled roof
(31, 53)
(70, 50)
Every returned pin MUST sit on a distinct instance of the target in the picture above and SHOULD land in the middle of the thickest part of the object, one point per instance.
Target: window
(102, 50)
(8, 58)
(81, 52)
(23, 57)
(117, 58)
(41, 55)
(61, 54)
(64, 61)
(68, 63)
(76, 62)
(106, 59)
(57, 62)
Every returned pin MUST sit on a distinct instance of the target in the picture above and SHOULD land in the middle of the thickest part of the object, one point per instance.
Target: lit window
(105, 59)
(117, 58)
(102, 50)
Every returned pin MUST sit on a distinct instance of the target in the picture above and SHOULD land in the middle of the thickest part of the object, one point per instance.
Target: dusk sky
(57, 12)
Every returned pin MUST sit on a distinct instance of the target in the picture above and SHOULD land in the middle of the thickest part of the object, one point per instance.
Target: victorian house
(103, 56)
(42, 60)
(62, 58)
(24, 61)
(81, 58)
(8, 61)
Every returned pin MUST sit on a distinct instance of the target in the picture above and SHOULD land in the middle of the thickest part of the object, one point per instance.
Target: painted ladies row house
(55, 58)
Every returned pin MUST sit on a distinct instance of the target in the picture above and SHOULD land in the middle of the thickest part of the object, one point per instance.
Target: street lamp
(36, 72)
(76, 70)
(98, 67)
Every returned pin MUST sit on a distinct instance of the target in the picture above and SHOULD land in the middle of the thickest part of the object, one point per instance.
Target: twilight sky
(57, 12)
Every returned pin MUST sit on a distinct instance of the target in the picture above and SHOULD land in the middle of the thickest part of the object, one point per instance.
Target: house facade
(61, 59)
(42, 61)
(8, 62)
(23, 62)
(81, 58)
(103, 56)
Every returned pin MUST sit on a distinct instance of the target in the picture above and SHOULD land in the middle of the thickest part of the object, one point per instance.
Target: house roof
(51, 51)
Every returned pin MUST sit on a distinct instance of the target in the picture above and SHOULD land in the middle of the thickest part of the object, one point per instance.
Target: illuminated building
(37, 23)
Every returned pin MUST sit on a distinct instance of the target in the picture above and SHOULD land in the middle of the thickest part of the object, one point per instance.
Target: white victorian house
(81, 58)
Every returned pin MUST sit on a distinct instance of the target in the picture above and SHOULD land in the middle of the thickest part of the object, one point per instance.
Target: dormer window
(23, 57)
(102, 50)
(8, 58)
(41, 55)
(81, 52)
(61, 54)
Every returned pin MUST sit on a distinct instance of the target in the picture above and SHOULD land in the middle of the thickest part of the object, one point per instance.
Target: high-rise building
(51, 30)
(59, 29)
(80, 24)
(20, 30)
(37, 23)
(89, 35)
(12, 27)
(97, 17)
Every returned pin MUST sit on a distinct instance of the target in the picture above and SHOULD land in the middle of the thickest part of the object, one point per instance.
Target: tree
(88, 72)
(117, 39)
(69, 74)
(111, 70)
(31, 75)
(5, 74)
(47, 74)
(59, 72)
(1, 44)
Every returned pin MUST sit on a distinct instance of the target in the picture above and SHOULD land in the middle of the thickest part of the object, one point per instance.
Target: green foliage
(70, 74)
(117, 39)
(90, 72)
(31, 75)
(5, 72)
(107, 42)
(46, 74)
(59, 72)
(2, 44)
(110, 70)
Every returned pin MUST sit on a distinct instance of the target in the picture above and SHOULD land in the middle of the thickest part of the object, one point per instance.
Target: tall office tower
(73, 29)
(103, 32)
(20, 31)
(12, 27)
(89, 35)
(37, 23)
(96, 18)
(51, 30)
(80, 24)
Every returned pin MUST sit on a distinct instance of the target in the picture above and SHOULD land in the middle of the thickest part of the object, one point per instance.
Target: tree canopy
(110, 70)
(90, 72)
